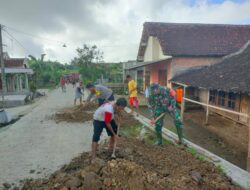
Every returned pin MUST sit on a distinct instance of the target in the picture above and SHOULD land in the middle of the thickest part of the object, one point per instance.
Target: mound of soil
(76, 114)
(127, 120)
(138, 166)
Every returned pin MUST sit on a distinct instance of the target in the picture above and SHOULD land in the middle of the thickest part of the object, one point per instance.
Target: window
(231, 100)
(212, 96)
(221, 98)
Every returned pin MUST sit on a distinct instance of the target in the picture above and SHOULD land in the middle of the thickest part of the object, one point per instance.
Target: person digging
(161, 100)
(176, 116)
(100, 93)
(79, 93)
(104, 118)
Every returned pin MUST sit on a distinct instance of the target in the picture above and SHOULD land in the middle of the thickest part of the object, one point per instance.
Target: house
(167, 49)
(225, 84)
(223, 88)
(16, 76)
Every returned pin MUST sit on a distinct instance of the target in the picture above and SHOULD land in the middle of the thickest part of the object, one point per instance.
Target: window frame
(222, 99)
(231, 101)
(213, 94)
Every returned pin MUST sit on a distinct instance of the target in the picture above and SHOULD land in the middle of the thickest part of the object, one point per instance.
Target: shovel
(115, 143)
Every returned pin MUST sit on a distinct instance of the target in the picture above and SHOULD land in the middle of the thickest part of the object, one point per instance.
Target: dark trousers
(98, 127)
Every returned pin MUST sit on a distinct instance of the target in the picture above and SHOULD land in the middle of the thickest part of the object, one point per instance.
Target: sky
(43, 26)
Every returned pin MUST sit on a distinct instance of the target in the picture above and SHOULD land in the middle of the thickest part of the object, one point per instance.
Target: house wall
(153, 50)
(202, 94)
(242, 105)
(181, 64)
(155, 68)
(231, 116)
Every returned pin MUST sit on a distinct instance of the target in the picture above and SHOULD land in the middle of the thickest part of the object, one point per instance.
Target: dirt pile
(125, 174)
(127, 120)
(76, 114)
(138, 166)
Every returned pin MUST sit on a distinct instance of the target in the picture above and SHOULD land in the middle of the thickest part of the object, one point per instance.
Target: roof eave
(149, 63)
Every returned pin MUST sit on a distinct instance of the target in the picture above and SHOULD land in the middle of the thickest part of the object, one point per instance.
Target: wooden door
(244, 107)
(162, 77)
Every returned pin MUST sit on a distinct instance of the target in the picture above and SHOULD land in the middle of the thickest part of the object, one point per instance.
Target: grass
(196, 154)
(192, 151)
(219, 168)
(134, 132)
(201, 158)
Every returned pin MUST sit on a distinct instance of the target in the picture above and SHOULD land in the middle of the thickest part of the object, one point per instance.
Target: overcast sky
(115, 26)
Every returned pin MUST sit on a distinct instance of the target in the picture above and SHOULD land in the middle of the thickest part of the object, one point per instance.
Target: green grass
(196, 154)
(133, 131)
(219, 169)
(173, 129)
(192, 151)
(201, 158)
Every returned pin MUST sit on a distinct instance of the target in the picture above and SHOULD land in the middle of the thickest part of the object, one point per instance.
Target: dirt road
(36, 146)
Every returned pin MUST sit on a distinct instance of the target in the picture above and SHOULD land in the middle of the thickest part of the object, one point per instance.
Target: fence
(118, 88)
(207, 105)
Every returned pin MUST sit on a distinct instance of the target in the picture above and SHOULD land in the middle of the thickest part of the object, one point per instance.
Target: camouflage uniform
(176, 116)
(162, 103)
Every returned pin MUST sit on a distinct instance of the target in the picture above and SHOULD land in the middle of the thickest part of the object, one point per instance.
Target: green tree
(87, 55)
(47, 73)
(86, 60)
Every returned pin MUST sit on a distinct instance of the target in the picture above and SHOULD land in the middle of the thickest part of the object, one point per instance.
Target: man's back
(132, 88)
(100, 112)
(103, 92)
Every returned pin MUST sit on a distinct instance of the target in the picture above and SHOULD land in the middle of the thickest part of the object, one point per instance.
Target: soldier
(162, 100)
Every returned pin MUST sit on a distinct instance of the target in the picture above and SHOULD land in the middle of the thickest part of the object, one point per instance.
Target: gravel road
(36, 146)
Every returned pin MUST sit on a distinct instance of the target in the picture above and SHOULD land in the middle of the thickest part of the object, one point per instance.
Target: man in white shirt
(104, 118)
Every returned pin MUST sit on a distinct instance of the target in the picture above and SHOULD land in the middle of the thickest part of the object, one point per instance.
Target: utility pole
(2, 67)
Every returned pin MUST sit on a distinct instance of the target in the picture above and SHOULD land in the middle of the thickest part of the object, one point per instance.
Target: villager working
(132, 91)
(162, 100)
(100, 93)
(62, 83)
(104, 118)
(79, 93)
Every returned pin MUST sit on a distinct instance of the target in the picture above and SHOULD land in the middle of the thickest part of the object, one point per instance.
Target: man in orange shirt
(132, 91)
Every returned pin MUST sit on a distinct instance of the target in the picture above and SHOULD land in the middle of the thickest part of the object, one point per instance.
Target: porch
(145, 73)
(17, 82)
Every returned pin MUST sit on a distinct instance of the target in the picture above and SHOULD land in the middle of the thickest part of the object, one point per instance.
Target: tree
(87, 55)
(47, 73)
(90, 62)
(86, 60)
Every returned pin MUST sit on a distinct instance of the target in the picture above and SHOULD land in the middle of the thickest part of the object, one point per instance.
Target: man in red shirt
(104, 118)
(63, 84)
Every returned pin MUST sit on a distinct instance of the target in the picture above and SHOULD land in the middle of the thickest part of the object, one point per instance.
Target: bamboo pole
(215, 107)
(207, 109)
(183, 104)
(248, 157)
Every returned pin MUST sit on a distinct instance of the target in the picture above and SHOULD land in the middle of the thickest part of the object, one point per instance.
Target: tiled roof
(195, 39)
(14, 62)
(230, 75)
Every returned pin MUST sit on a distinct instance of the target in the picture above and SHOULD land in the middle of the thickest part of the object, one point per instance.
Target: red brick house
(167, 49)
